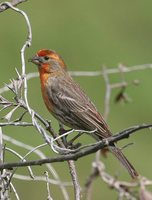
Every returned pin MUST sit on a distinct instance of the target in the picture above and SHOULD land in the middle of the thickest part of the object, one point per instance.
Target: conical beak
(35, 59)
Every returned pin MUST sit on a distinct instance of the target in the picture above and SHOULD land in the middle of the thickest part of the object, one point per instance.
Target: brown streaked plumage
(68, 103)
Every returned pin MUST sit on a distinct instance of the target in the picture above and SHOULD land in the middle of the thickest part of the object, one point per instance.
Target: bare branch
(26, 44)
(42, 156)
(4, 176)
(4, 6)
(15, 192)
(28, 77)
(47, 186)
(89, 150)
(113, 70)
(1, 146)
(92, 73)
(42, 178)
(107, 93)
(16, 124)
(121, 187)
(74, 176)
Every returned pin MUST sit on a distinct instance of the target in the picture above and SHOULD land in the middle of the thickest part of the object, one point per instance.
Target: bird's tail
(118, 153)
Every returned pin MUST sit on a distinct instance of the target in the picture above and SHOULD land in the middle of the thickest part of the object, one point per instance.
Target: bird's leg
(70, 143)
(61, 132)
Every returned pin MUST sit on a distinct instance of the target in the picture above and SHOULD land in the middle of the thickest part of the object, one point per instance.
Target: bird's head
(48, 61)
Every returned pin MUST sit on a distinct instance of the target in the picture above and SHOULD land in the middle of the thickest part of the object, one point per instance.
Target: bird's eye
(46, 58)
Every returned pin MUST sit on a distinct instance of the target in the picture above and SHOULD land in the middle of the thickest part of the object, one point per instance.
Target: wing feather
(78, 110)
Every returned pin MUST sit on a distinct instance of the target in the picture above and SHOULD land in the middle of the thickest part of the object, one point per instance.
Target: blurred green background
(88, 35)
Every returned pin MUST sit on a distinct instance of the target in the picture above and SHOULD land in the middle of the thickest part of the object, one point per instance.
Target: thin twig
(26, 44)
(107, 93)
(42, 178)
(47, 186)
(73, 172)
(112, 70)
(88, 185)
(75, 180)
(29, 76)
(24, 124)
(79, 154)
(1, 146)
(114, 183)
(125, 69)
(42, 156)
(4, 6)
(15, 192)
(22, 158)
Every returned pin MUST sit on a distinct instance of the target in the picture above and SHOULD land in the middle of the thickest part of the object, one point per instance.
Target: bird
(69, 104)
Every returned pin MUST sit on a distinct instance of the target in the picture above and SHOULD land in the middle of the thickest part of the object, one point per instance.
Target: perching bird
(69, 104)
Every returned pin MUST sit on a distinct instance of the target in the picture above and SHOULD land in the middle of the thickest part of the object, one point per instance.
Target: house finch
(67, 102)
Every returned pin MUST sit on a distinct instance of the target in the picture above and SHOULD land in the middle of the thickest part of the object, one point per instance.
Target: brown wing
(73, 108)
